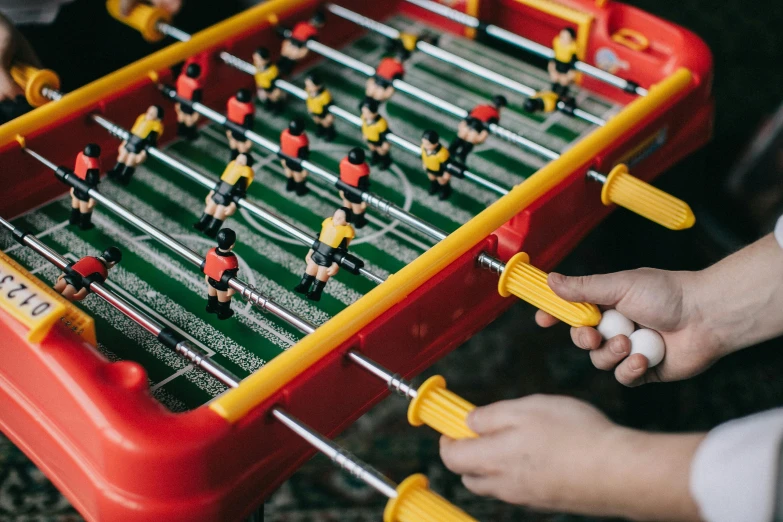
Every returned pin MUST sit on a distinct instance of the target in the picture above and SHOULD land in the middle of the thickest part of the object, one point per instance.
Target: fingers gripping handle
(529, 283)
(33, 81)
(415, 502)
(144, 18)
(625, 190)
(441, 409)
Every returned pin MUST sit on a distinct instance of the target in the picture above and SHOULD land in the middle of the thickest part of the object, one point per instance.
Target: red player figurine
(374, 130)
(474, 129)
(435, 158)
(356, 173)
(380, 86)
(88, 169)
(294, 145)
(221, 201)
(78, 276)
(336, 234)
(561, 68)
(220, 265)
(133, 152)
(189, 87)
(240, 111)
(266, 75)
(319, 99)
(294, 46)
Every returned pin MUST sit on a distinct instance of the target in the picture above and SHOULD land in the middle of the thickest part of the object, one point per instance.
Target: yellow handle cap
(33, 80)
(415, 502)
(528, 283)
(625, 190)
(144, 18)
(441, 409)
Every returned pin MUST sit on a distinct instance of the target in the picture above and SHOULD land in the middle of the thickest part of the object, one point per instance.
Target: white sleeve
(779, 231)
(735, 472)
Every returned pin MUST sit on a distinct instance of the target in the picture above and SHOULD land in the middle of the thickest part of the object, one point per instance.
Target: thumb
(126, 6)
(8, 87)
(602, 289)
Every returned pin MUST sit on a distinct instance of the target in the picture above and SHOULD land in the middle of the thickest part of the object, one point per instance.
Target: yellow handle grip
(33, 81)
(144, 18)
(629, 192)
(529, 284)
(415, 502)
(441, 409)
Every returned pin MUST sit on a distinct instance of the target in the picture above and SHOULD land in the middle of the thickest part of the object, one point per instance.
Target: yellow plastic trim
(528, 283)
(621, 188)
(581, 19)
(22, 294)
(415, 502)
(235, 403)
(441, 409)
(144, 18)
(471, 9)
(33, 80)
(255, 18)
(632, 39)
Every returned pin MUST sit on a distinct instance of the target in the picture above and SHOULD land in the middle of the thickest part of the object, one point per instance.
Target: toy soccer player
(380, 86)
(435, 158)
(220, 265)
(133, 152)
(542, 101)
(336, 234)
(88, 169)
(474, 129)
(221, 201)
(374, 130)
(74, 283)
(190, 88)
(266, 74)
(356, 173)
(240, 111)
(294, 46)
(561, 69)
(318, 101)
(294, 144)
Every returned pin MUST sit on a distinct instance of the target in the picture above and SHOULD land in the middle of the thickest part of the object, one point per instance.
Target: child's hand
(561, 454)
(13, 47)
(656, 299)
(172, 6)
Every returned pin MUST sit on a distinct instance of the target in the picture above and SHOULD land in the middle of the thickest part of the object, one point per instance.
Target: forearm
(740, 299)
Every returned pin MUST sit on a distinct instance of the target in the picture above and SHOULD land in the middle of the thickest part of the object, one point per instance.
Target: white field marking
(272, 252)
(172, 403)
(167, 307)
(39, 268)
(171, 377)
(50, 230)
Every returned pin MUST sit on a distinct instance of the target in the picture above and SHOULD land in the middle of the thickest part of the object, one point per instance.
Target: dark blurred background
(735, 196)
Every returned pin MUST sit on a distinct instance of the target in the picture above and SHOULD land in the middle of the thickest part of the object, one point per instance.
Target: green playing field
(153, 278)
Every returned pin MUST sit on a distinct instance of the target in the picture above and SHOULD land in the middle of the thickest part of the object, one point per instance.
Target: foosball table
(467, 203)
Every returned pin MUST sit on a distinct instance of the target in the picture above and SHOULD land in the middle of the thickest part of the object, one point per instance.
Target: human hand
(660, 300)
(13, 48)
(172, 6)
(561, 454)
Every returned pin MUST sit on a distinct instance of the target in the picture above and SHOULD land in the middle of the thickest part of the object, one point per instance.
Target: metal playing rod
(167, 336)
(273, 219)
(244, 289)
(394, 381)
(453, 59)
(404, 144)
(524, 43)
(385, 207)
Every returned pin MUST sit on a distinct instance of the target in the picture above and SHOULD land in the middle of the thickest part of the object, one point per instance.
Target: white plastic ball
(648, 343)
(614, 323)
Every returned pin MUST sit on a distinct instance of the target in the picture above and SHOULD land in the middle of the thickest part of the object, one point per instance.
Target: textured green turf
(152, 276)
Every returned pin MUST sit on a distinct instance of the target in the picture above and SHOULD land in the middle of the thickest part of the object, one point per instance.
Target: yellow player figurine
(434, 159)
(133, 152)
(266, 75)
(221, 201)
(374, 130)
(318, 101)
(336, 234)
(561, 69)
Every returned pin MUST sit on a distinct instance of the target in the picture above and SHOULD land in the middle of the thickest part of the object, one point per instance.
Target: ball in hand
(614, 323)
(648, 343)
